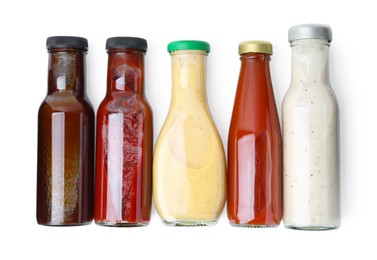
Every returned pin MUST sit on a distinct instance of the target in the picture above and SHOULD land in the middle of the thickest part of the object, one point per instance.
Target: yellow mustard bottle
(189, 167)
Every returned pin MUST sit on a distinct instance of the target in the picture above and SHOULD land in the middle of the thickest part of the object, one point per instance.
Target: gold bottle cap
(255, 46)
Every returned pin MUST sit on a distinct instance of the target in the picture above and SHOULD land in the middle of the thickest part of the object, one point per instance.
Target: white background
(24, 27)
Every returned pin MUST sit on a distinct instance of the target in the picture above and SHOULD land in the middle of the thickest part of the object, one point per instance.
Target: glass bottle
(65, 138)
(189, 168)
(123, 192)
(254, 144)
(311, 134)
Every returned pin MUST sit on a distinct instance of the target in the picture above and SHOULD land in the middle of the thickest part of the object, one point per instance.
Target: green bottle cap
(189, 45)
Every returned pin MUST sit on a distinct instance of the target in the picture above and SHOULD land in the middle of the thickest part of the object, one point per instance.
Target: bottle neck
(310, 62)
(125, 71)
(256, 67)
(189, 75)
(66, 71)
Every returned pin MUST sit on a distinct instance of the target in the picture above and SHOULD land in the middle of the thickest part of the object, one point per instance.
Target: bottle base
(254, 225)
(312, 228)
(190, 223)
(63, 224)
(122, 224)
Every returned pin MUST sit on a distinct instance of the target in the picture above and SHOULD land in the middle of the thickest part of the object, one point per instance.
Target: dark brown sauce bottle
(65, 171)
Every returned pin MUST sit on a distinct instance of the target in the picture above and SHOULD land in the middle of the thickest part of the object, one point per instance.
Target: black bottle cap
(67, 42)
(126, 43)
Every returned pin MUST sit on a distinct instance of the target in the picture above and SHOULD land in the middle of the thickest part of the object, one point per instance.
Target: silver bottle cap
(310, 31)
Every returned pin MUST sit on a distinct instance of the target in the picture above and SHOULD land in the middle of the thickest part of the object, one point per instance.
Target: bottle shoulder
(66, 102)
(189, 111)
(311, 96)
(124, 103)
(197, 123)
(309, 90)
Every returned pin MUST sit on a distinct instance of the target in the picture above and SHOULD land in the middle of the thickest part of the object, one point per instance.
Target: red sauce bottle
(124, 139)
(65, 172)
(254, 144)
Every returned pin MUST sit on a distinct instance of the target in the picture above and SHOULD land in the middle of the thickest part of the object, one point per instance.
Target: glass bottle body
(311, 141)
(189, 162)
(65, 143)
(124, 144)
(254, 148)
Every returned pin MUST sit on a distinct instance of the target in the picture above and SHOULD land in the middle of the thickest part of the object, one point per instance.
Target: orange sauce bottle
(254, 144)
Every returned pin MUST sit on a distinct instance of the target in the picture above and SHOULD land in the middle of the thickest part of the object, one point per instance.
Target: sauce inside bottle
(254, 144)
(311, 134)
(189, 162)
(65, 138)
(124, 139)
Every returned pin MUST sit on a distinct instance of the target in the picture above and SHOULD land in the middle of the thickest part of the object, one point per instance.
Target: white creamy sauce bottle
(311, 134)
